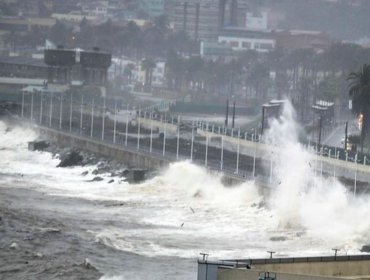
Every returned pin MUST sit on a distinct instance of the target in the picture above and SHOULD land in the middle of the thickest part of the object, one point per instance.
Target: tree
(128, 72)
(359, 91)
(148, 65)
(59, 33)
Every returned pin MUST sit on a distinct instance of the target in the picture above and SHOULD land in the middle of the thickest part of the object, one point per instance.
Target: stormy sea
(90, 222)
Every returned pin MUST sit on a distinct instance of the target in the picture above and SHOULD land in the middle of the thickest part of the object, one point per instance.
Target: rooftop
(21, 60)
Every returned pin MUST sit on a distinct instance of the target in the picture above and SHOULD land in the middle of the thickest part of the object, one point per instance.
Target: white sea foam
(186, 210)
(302, 198)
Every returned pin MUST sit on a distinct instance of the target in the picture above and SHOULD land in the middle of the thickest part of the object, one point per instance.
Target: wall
(132, 158)
(243, 274)
(329, 269)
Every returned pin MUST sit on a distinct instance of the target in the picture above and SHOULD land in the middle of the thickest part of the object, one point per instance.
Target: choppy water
(162, 225)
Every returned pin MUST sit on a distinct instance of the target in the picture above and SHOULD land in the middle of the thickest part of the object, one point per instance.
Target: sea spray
(303, 198)
(199, 183)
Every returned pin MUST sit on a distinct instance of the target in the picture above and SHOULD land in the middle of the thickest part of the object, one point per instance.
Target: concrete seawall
(132, 158)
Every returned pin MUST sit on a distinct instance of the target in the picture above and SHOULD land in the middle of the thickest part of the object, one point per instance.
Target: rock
(88, 264)
(365, 249)
(111, 181)
(124, 173)
(38, 254)
(138, 174)
(85, 173)
(71, 159)
(278, 238)
(38, 145)
(14, 246)
(96, 179)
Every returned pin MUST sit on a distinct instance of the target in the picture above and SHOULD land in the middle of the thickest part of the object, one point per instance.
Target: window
(246, 45)
(266, 46)
(234, 44)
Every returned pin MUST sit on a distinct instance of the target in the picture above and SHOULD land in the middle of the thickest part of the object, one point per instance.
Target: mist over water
(186, 210)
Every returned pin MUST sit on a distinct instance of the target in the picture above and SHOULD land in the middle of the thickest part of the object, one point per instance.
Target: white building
(158, 74)
(256, 21)
(242, 40)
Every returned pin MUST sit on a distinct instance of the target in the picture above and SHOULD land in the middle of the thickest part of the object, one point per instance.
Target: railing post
(70, 114)
(254, 153)
(40, 107)
(151, 132)
(126, 126)
(164, 136)
(178, 137)
(237, 154)
(192, 141)
(138, 130)
(32, 106)
(222, 152)
(61, 111)
(103, 119)
(51, 109)
(206, 159)
(335, 165)
(355, 187)
(92, 118)
(321, 163)
(81, 115)
(115, 121)
(22, 114)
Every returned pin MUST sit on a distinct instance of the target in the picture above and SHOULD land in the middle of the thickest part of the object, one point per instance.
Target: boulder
(38, 145)
(96, 179)
(72, 158)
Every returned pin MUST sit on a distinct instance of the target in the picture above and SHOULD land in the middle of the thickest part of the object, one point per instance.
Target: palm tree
(148, 65)
(359, 91)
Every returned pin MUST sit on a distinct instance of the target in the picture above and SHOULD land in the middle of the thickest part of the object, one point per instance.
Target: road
(334, 138)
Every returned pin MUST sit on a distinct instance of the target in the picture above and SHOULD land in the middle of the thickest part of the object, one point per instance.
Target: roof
(55, 88)
(304, 259)
(244, 33)
(21, 60)
(21, 81)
